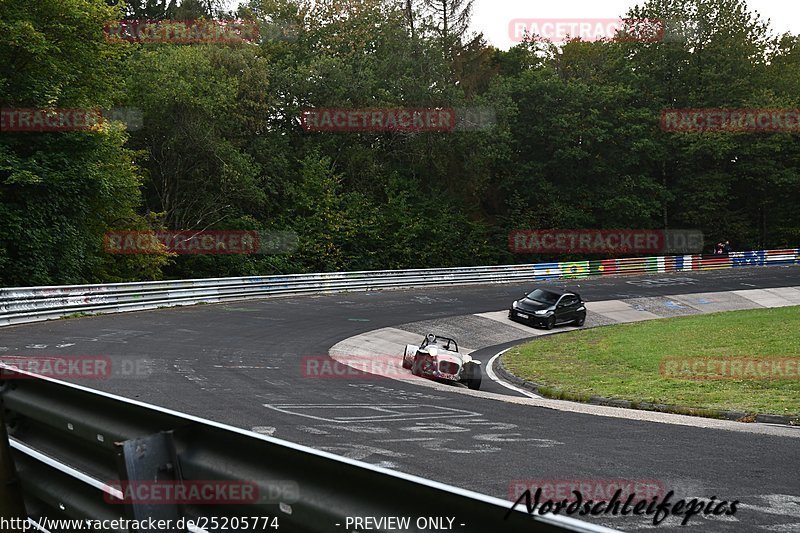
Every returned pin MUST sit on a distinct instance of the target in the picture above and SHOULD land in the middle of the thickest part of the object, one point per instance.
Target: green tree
(59, 192)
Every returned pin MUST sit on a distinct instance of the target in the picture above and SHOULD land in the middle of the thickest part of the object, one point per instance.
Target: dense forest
(576, 140)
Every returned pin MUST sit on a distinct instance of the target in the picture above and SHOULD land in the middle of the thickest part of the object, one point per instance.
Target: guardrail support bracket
(12, 504)
(147, 460)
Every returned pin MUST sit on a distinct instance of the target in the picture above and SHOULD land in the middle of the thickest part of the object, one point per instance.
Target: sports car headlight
(542, 312)
(514, 305)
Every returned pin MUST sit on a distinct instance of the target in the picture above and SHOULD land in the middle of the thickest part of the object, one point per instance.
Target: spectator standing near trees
(726, 248)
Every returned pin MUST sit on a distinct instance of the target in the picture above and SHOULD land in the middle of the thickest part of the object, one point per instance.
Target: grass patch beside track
(624, 361)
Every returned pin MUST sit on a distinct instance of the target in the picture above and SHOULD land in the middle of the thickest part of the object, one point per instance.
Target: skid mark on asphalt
(777, 504)
(428, 300)
(536, 443)
(436, 427)
(662, 282)
(488, 436)
(435, 444)
(496, 433)
(122, 336)
(386, 464)
(247, 367)
(360, 452)
(313, 430)
(43, 346)
(357, 429)
(365, 413)
(633, 524)
(185, 367)
(782, 528)
(427, 435)
(397, 394)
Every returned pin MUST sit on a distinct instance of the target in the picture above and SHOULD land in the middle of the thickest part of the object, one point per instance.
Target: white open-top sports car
(438, 358)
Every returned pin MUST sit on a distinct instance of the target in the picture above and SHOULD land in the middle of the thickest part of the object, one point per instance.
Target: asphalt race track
(240, 364)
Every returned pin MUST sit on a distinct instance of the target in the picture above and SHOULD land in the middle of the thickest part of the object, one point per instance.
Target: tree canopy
(574, 141)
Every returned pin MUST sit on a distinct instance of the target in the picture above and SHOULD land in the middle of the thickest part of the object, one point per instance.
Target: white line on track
(499, 381)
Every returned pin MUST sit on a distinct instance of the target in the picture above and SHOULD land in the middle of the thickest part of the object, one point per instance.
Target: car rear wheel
(551, 322)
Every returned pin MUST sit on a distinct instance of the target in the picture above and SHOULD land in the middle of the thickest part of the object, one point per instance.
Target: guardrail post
(146, 463)
(12, 504)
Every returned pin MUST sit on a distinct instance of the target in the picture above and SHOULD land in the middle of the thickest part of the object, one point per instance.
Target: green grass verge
(624, 361)
(80, 314)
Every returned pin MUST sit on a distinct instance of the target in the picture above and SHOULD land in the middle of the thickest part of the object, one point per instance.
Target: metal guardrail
(72, 445)
(30, 304)
(75, 448)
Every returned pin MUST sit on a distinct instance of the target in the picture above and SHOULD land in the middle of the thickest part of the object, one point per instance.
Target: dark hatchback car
(548, 308)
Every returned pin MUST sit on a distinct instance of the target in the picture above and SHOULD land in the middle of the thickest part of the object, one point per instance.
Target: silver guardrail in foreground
(78, 452)
(30, 304)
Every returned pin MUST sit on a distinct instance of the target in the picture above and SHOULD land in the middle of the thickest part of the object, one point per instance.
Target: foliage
(59, 192)
(576, 140)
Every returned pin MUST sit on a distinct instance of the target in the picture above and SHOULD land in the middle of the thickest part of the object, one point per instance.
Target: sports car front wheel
(473, 376)
(416, 367)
